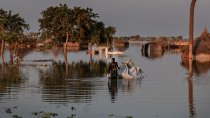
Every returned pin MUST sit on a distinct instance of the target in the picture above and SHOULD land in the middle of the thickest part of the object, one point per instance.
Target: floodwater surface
(43, 83)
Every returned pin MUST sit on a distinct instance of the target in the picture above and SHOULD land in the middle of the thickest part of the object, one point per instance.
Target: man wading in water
(113, 69)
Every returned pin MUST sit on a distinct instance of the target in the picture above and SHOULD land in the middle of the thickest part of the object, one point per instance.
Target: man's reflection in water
(112, 84)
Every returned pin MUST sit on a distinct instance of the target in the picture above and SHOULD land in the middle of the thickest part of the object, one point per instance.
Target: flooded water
(43, 84)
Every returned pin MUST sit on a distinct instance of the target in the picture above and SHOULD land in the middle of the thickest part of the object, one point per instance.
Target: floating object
(128, 70)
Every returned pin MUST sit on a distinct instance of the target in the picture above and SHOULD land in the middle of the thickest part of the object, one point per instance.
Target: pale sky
(130, 17)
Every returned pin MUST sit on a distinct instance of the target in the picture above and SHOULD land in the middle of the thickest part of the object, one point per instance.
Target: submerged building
(201, 48)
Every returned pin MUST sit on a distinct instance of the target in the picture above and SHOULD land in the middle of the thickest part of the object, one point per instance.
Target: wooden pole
(191, 28)
(190, 81)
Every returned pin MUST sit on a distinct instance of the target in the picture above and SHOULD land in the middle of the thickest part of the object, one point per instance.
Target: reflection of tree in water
(83, 69)
(77, 88)
(60, 90)
(10, 78)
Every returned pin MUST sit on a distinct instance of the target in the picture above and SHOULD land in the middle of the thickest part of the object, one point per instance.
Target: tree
(3, 15)
(15, 26)
(100, 34)
(109, 32)
(12, 27)
(80, 23)
(83, 20)
(56, 21)
(94, 34)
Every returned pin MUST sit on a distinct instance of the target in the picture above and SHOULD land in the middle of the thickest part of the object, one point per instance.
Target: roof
(201, 44)
(205, 34)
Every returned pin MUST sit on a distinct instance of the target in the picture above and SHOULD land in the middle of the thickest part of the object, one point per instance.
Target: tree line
(81, 24)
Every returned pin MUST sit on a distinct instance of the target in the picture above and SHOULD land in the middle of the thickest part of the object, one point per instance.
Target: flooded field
(42, 86)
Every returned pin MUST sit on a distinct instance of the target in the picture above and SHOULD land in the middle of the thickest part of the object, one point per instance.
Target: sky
(129, 17)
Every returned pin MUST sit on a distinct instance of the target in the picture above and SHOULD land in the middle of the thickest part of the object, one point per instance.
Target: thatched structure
(201, 47)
